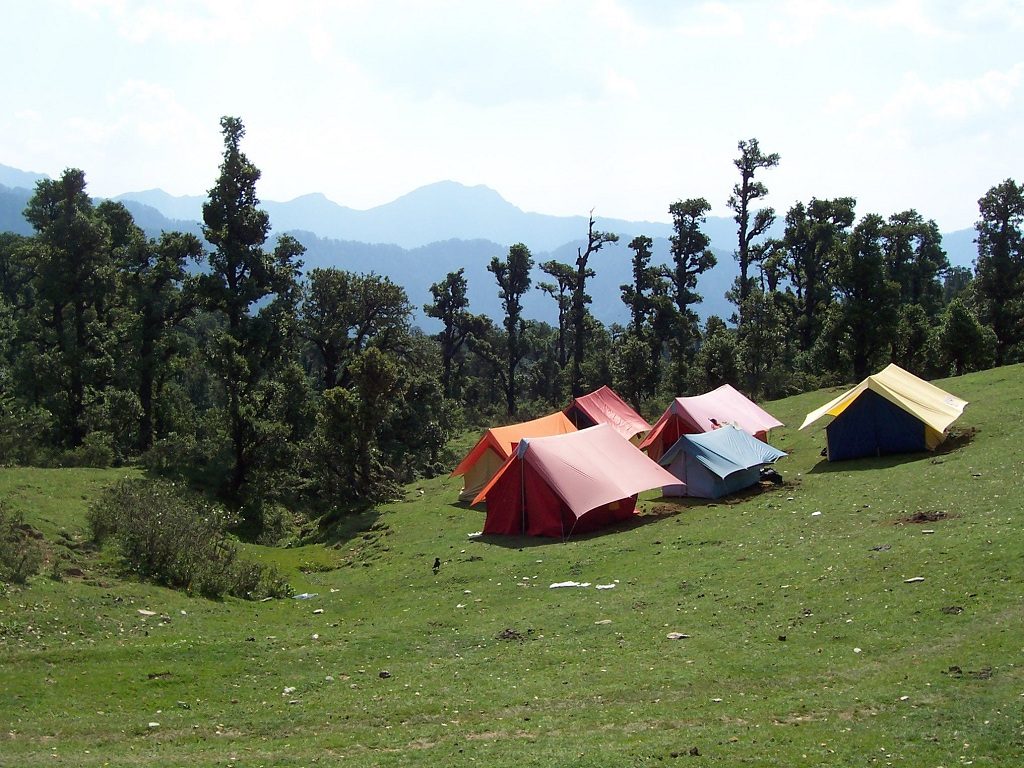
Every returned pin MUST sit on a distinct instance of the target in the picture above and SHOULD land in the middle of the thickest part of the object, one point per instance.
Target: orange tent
(495, 446)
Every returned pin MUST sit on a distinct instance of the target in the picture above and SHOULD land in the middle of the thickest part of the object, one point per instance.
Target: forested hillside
(272, 379)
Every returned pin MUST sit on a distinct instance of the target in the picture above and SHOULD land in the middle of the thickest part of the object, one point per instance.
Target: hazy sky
(561, 106)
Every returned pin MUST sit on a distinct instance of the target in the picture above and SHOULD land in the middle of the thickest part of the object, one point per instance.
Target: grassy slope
(585, 677)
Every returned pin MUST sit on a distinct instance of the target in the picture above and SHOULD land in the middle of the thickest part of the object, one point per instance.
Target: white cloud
(799, 21)
(914, 16)
(193, 21)
(1003, 12)
(958, 101)
(618, 86)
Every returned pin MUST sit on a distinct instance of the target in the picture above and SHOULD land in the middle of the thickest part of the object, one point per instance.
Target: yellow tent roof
(935, 407)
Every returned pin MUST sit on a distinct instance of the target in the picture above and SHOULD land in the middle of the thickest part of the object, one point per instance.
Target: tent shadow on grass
(957, 439)
(636, 521)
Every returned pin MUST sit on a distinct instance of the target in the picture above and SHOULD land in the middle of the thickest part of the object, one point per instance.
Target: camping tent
(891, 412)
(703, 413)
(714, 464)
(496, 445)
(603, 406)
(565, 484)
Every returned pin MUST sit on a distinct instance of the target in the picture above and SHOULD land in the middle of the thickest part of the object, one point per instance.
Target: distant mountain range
(420, 237)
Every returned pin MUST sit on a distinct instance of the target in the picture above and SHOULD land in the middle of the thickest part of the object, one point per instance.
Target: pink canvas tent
(702, 413)
(603, 406)
(565, 484)
(496, 445)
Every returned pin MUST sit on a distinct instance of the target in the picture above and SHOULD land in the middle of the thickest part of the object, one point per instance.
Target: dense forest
(220, 363)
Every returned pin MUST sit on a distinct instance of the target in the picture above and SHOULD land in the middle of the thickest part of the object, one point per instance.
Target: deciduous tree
(1000, 266)
(74, 285)
(814, 237)
(513, 277)
(451, 307)
(343, 312)
(915, 260)
(744, 194)
(596, 240)
(256, 291)
(870, 297)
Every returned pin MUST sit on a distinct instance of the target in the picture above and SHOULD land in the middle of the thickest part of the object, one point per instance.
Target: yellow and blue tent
(892, 411)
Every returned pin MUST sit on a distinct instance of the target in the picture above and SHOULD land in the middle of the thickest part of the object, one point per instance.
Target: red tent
(690, 415)
(603, 406)
(496, 445)
(565, 484)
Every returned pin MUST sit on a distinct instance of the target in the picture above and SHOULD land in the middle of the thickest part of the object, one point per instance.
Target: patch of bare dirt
(925, 516)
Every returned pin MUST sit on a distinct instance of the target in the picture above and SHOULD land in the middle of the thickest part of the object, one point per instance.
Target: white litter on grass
(558, 584)
(144, 612)
(677, 636)
(461, 605)
(856, 650)
(913, 580)
(605, 586)
(815, 514)
(305, 596)
(154, 725)
(474, 534)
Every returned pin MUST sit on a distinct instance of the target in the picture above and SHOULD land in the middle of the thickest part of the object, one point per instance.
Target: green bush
(96, 450)
(21, 555)
(25, 434)
(170, 536)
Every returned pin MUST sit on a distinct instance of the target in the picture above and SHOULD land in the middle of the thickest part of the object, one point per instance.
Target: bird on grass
(437, 565)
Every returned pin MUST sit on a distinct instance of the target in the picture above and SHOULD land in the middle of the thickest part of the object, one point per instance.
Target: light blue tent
(713, 464)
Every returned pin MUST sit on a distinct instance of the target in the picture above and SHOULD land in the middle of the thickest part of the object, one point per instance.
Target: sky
(562, 106)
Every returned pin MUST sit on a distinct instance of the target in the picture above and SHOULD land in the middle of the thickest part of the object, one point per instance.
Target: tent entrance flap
(873, 426)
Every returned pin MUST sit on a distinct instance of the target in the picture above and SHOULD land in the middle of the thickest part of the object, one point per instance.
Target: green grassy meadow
(806, 645)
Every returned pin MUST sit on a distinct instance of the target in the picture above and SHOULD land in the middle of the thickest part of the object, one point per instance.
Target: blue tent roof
(723, 451)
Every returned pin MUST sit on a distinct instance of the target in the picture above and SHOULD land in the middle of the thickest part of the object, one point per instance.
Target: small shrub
(167, 535)
(97, 450)
(21, 555)
(276, 525)
(25, 434)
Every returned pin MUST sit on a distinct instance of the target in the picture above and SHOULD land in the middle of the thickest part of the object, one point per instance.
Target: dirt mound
(925, 516)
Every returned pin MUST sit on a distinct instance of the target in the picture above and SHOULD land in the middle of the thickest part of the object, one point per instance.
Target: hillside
(805, 643)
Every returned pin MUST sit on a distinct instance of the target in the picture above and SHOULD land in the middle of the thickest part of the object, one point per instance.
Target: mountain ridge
(418, 238)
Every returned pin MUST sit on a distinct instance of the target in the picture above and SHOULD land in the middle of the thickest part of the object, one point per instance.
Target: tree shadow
(344, 525)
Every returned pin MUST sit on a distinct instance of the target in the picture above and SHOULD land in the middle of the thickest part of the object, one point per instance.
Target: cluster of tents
(582, 468)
